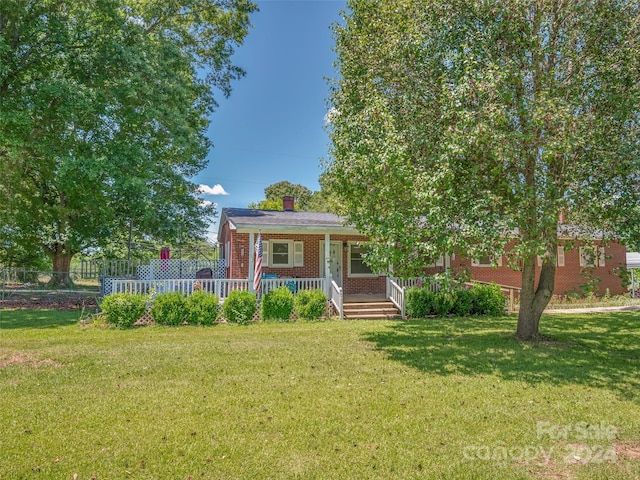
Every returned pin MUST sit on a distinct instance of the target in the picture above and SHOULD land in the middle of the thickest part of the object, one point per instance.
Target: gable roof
(272, 220)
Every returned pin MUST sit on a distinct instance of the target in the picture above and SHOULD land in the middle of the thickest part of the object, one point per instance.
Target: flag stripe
(257, 272)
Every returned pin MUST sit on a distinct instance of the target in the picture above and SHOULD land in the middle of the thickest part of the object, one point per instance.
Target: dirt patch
(49, 301)
(22, 358)
(630, 451)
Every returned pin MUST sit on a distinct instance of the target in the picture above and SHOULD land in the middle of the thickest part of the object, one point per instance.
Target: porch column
(250, 263)
(327, 261)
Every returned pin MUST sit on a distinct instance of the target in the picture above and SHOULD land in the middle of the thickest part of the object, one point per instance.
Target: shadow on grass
(600, 350)
(13, 319)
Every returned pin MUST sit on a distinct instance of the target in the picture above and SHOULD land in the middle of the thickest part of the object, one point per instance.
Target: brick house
(578, 263)
(296, 245)
(315, 245)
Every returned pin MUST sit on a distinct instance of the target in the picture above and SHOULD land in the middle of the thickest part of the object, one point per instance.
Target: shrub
(419, 302)
(123, 309)
(277, 304)
(310, 304)
(239, 306)
(170, 308)
(464, 302)
(487, 300)
(443, 303)
(203, 307)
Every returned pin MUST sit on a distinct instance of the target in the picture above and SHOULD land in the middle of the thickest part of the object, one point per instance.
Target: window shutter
(560, 257)
(265, 253)
(601, 256)
(500, 261)
(298, 254)
(583, 260)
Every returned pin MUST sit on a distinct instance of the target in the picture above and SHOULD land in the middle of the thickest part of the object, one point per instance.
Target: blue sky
(271, 128)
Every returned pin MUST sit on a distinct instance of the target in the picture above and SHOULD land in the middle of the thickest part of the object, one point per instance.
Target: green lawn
(445, 399)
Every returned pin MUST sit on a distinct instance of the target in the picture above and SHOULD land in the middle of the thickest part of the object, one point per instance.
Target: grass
(437, 398)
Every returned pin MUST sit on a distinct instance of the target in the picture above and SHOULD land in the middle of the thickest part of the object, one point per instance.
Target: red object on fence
(165, 255)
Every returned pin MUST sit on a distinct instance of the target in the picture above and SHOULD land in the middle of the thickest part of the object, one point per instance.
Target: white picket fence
(293, 284)
(219, 287)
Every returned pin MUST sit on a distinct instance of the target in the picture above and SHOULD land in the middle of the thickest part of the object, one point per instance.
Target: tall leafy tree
(103, 115)
(461, 125)
(276, 192)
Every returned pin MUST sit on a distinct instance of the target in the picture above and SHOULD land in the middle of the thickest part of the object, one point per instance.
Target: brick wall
(568, 278)
(240, 251)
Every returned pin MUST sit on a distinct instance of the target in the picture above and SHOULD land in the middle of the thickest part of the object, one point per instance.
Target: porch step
(379, 309)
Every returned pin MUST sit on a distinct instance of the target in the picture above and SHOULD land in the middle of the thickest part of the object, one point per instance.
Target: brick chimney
(288, 204)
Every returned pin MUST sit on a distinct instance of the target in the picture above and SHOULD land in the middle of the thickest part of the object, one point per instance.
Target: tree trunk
(534, 300)
(61, 260)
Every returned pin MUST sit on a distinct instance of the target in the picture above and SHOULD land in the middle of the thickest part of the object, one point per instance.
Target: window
(559, 258)
(280, 253)
(488, 261)
(283, 253)
(357, 267)
(592, 257)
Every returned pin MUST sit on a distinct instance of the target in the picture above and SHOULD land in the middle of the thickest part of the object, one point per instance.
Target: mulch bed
(49, 301)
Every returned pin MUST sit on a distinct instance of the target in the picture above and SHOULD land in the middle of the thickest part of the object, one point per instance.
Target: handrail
(395, 293)
(337, 298)
(422, 282)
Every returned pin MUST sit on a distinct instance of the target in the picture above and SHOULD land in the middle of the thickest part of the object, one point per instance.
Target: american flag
(257, 273)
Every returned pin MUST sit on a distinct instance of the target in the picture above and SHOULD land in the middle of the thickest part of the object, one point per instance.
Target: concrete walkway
(623, 308)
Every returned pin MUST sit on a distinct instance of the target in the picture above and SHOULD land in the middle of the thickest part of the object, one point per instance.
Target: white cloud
(217, 189)
(330, 115)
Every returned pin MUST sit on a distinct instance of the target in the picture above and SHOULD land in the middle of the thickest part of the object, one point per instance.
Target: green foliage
(310, 304)
(123, 309)
(463, 302)
(103, 118)
(239, 306)
(590, 286)
(487, 300)
(444, 302)
(170, 308)
(305, 199)
(486, 116)
(454, 299)
(202, 307)
(419, 302)
(277, 304)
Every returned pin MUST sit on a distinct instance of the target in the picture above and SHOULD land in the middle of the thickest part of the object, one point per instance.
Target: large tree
(103, 116)
(305, 199)
(459, 126)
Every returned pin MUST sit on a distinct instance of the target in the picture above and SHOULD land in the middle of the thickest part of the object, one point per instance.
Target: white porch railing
(337, 298)
(421, 282)
(395, 293)
(293, 284)
(220, 287)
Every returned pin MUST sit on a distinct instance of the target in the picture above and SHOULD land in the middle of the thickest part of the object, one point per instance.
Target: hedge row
(202, 307)
(457, 300)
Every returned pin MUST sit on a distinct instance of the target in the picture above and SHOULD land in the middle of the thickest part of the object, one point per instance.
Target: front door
(335, 262)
